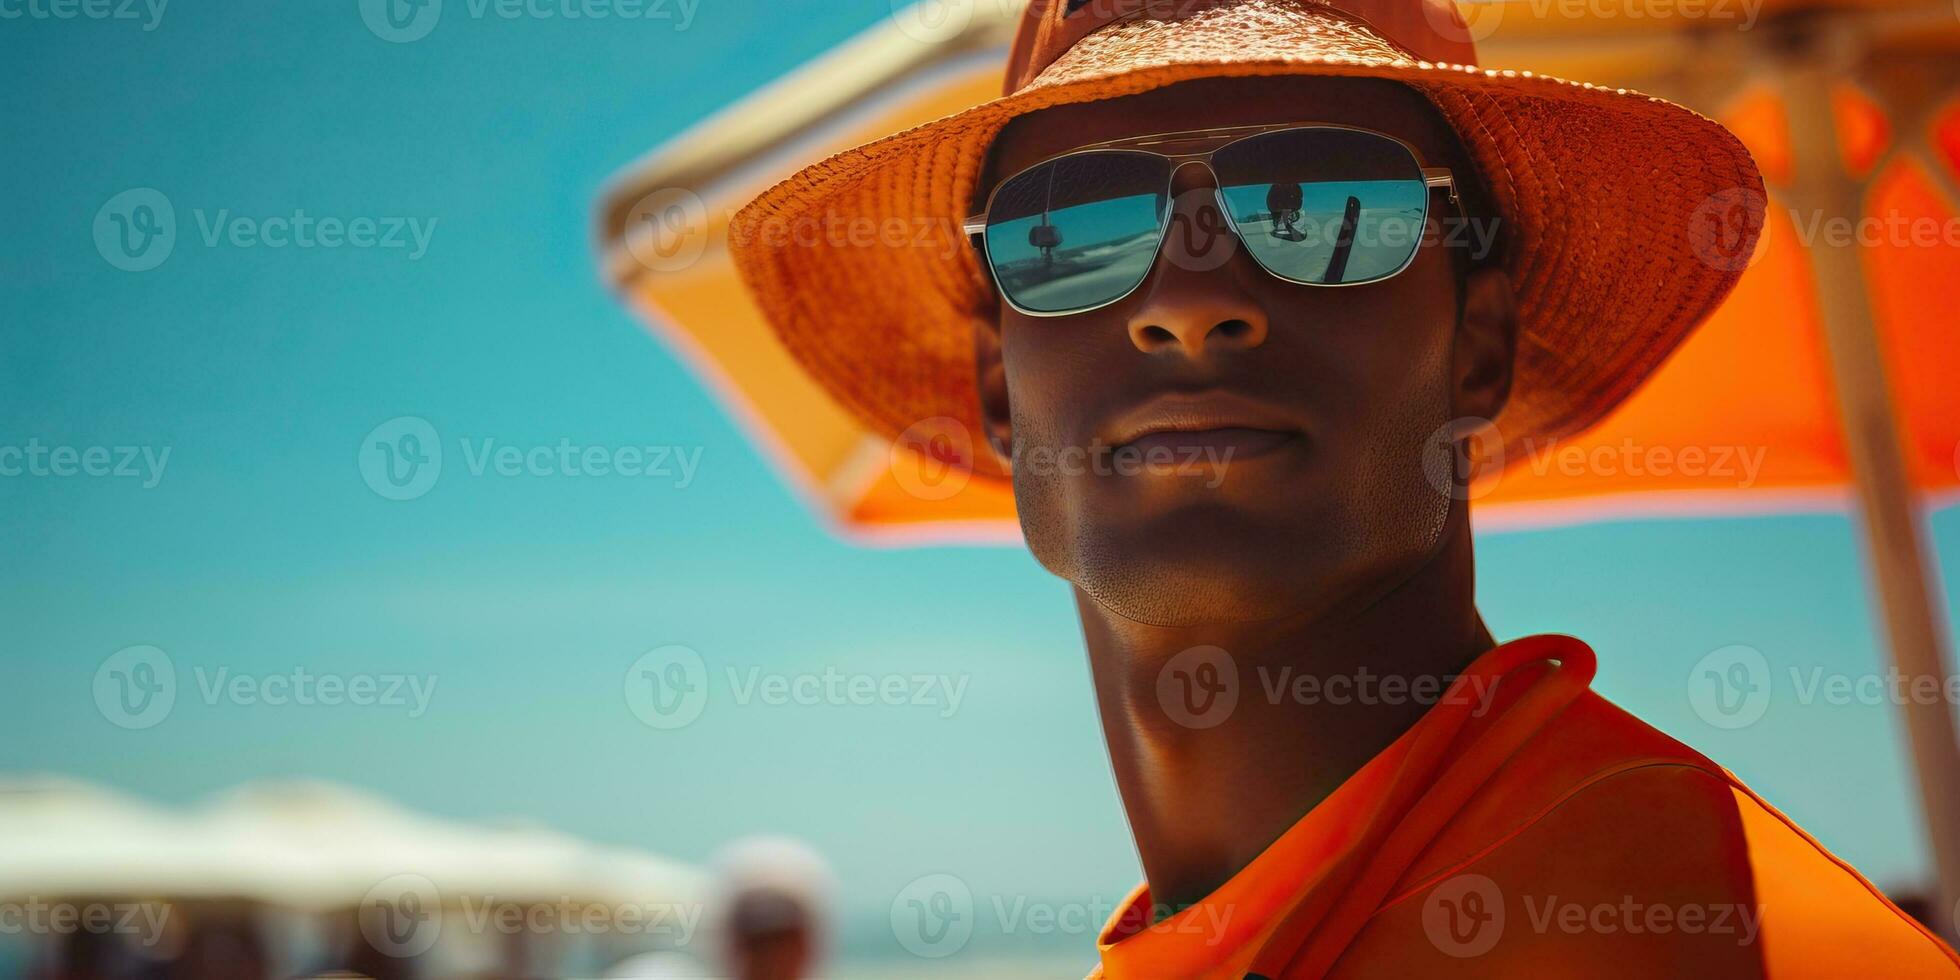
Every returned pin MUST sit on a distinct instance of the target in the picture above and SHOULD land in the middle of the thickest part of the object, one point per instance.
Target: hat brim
(1628, 219)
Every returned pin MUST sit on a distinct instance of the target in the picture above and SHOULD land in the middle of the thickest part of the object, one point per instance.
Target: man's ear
(990, 381)
(1486, 345)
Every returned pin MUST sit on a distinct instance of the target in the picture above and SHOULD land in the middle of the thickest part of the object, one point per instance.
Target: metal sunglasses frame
(1221, 137)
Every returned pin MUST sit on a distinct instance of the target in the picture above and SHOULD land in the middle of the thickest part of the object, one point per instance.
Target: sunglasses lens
(1325, 206)
(1079, 231)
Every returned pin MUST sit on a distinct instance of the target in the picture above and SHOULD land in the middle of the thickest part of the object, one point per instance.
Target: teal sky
(261, 550)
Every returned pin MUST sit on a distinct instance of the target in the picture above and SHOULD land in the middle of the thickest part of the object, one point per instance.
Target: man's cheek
(1041, 496)
(1050, 400)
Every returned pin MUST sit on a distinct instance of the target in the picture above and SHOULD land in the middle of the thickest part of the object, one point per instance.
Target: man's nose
(1195, 303)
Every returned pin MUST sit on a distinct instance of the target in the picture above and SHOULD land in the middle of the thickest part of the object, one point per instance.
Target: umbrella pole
(1893, 529)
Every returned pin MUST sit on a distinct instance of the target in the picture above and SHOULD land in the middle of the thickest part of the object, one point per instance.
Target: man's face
(1222, 445)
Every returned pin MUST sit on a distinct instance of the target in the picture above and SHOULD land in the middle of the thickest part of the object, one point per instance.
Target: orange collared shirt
(1527, 827)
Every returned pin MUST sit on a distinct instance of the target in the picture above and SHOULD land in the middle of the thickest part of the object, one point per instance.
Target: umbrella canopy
(306, 845)
(622, 877)
(64, 838)
(1742, 418)
(359, 841)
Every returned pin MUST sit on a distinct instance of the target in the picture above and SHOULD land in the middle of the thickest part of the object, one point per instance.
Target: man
(1250, 277)
(772, 899)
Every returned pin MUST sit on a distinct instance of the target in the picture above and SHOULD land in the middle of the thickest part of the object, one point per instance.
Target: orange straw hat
(1628, 218)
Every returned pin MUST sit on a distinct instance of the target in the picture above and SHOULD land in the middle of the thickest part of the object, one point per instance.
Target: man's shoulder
(1601, 809)
(1593, 747)
(1596, 778)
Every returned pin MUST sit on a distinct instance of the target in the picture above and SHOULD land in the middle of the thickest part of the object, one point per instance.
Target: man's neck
(1208, 781)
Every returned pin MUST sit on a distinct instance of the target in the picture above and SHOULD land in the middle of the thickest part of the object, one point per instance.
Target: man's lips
(1214, 444)
(1210, 422)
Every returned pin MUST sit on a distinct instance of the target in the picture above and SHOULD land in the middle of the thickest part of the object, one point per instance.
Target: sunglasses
(1315, 205)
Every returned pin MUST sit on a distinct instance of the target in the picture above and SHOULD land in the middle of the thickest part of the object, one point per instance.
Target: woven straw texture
(1628, 218)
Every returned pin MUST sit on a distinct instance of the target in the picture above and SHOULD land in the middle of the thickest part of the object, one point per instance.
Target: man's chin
(1200, 571)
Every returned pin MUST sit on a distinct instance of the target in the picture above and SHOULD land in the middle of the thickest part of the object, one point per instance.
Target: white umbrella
(625, 876)
(361, 842)
(65, 838)
(304, 844)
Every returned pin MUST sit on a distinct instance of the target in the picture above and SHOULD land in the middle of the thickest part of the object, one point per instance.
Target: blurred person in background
(771, 909)
(767, 917)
